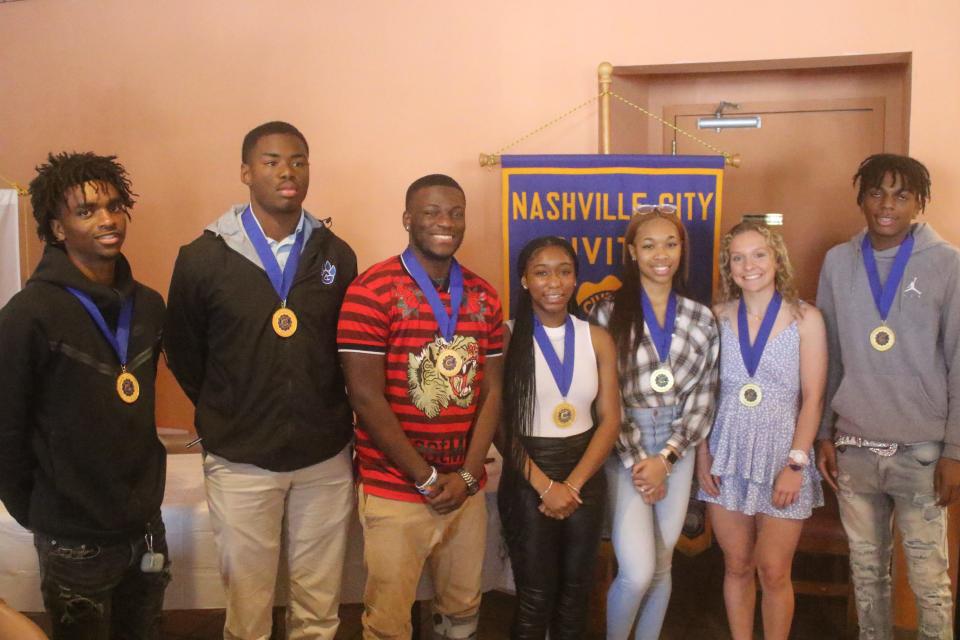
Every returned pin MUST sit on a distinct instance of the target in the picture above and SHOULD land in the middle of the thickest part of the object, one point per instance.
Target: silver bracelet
(546, 491)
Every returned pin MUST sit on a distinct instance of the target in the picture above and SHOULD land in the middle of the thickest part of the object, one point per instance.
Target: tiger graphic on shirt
(431, 389)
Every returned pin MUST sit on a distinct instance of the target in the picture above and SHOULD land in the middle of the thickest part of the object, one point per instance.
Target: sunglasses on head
(644, 209)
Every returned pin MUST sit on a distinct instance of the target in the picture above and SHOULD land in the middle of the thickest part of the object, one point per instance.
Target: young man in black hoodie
(80, 462)
(251, 337)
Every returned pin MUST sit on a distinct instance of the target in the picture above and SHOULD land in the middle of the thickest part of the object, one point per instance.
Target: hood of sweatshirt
(924, 238)
(56, 268)
(230, 228)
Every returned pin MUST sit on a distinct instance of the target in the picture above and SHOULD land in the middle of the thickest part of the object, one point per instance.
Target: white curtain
(9, 245)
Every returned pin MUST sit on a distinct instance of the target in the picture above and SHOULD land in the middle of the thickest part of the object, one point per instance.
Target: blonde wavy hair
(784, 278)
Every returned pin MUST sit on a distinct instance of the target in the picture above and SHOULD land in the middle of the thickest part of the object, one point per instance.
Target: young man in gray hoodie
(889, 441)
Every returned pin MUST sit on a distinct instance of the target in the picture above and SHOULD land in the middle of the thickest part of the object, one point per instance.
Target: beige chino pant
(255, 513)
(400, 538)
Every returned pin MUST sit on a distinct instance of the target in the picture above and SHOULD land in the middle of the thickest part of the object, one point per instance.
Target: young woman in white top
(561, 415)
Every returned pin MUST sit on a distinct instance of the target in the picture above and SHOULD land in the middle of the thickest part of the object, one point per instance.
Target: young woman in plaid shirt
(667, 346)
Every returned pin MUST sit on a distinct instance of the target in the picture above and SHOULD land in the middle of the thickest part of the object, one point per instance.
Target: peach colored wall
(386, 91)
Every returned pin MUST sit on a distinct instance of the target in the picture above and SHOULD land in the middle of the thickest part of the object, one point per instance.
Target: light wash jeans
(872, 489)
(643, 535)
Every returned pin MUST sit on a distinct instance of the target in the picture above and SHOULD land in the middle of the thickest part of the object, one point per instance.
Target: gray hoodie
(910, 393)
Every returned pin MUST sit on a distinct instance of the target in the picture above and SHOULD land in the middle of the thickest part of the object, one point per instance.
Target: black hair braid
(520, 393)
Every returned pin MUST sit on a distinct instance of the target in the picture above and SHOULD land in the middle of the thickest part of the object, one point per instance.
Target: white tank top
(583, 390)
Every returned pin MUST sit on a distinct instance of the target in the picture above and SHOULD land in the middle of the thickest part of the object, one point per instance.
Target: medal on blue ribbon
(661, 379)
(448, 362)
(751, 394)
(883, 337)
(284, 320)
(564, 413)
(128, 387)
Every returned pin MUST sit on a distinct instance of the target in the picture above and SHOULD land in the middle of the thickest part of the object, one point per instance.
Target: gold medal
(449, 362)
(564, 414)
(882, 338)
(661, 380)
(127, 387)
(284, 322)
(750, 395)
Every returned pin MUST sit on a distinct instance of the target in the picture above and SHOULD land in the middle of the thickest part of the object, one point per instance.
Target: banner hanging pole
(605, 78)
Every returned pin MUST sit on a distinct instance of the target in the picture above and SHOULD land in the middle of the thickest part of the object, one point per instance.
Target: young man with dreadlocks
(889, 441)
(80, 462)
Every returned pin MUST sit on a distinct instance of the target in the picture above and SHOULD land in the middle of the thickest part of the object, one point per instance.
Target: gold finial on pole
(489, 159)
(605, 78)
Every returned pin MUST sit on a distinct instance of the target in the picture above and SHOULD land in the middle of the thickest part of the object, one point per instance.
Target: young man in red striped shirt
(420, 340)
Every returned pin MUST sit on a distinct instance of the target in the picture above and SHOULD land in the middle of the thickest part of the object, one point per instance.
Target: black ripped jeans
(97, 591)
(553, 560)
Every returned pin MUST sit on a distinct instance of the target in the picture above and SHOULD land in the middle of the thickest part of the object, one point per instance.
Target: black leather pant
(553, 560)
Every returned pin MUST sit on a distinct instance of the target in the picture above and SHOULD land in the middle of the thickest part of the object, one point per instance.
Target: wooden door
(799, 163)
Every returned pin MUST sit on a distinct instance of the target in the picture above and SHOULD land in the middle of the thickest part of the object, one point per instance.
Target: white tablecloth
(196, 578)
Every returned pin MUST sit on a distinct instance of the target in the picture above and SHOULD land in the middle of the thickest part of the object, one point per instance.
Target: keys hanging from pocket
(151, 562)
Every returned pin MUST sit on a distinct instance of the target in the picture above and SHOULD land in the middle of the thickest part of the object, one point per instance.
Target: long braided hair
(520, 392)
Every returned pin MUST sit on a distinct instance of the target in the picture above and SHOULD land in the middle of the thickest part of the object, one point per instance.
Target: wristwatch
(797, 459)
(669, 455)
(472, 485)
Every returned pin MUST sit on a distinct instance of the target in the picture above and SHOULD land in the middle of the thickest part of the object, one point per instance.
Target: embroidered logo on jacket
(434, 385)
(329, 273)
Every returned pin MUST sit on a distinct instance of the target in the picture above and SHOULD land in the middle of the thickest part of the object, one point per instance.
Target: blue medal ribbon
(883, 294)
(119, 340)
(447, 323)
(282, 281)
(751, 354)
(562, 371)
(661, 335)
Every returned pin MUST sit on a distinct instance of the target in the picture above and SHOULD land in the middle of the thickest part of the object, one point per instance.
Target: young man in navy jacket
(251, 337)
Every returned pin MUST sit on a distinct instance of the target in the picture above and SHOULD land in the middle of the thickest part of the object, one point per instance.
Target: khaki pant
(254, 511)
(400, 538)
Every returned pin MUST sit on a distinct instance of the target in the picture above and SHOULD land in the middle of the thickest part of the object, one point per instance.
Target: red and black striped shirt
(385, 313)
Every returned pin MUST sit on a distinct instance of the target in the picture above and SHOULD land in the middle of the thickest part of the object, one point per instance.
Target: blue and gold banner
(589, 199)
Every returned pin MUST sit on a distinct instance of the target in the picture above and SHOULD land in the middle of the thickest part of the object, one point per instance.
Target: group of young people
(290, 358)
(738, 397)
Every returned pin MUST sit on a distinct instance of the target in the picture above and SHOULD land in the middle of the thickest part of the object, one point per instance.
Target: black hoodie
(75, 460)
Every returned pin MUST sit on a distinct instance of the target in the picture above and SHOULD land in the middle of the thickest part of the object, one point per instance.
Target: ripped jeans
(873, 488)
(97, 591)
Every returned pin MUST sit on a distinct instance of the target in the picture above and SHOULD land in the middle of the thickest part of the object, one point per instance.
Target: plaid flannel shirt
(694, 352)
